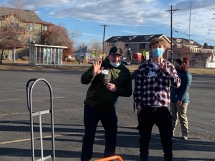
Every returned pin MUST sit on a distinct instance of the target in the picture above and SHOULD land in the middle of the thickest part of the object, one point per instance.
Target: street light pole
(190, 22)
(171, 11)
(103, 43)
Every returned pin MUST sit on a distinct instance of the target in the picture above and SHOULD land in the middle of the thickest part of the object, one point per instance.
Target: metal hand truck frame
(29, 89)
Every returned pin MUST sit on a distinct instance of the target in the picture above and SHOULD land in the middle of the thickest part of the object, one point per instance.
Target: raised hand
(163, 66)
(97, 67)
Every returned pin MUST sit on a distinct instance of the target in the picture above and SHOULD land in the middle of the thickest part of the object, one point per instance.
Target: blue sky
(127, 17)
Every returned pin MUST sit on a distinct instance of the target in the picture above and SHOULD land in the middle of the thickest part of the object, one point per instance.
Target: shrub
(70, 59)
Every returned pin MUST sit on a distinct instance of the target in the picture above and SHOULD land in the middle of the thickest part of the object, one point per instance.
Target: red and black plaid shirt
(152, 85)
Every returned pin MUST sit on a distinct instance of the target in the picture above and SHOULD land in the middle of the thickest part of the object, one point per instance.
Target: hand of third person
(111, 87)
(179, 103)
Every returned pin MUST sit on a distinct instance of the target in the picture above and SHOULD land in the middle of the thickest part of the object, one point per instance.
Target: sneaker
(184, 137)
(173, 133)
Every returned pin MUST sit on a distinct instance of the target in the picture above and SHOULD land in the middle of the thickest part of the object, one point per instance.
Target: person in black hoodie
(108, 80)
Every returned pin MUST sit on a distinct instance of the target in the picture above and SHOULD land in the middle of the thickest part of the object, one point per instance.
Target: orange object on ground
(116, 157)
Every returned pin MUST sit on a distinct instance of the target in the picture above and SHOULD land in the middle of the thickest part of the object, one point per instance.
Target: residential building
(26, 21)
(140, 43)
(137, 43)
(83, 54)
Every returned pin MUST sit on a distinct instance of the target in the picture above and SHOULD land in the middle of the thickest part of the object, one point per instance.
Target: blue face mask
(157, 52)
(115, 65)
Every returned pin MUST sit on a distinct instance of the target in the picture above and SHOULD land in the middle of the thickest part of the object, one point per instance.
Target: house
(83, 54)
(135, 43)
(202, 57)
(26, 21)
(140, 44)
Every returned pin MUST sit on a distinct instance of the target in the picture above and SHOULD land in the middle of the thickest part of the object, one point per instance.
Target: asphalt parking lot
(68, 97)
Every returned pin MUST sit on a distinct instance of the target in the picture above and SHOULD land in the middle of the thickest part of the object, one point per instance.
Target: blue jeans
(109, 122)
(149, 116)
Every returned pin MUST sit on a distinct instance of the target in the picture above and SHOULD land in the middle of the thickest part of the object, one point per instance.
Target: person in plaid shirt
(152, 99)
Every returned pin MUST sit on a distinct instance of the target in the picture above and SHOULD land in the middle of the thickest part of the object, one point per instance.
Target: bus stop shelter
(45, 54)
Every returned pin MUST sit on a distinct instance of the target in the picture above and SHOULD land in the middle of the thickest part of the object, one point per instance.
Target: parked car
(91, 61)
(126, 61)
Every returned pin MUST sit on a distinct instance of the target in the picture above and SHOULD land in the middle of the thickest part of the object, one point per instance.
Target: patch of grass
(201, 71)
(10, 65)
(207, 71)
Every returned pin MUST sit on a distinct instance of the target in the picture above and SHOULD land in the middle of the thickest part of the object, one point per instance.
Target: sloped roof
(27, 16)
(82, 50)
(148, 38)
(184, 41)
(133, 38)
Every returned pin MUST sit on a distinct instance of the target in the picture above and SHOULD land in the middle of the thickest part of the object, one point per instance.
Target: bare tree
(183, 52)
(16, 4)
(12, 34)
(13, 31)
(121, 45)
(74, 33)
(57, 35)
(9, 38)
(206, 55)
(107, 47)
(96, 47)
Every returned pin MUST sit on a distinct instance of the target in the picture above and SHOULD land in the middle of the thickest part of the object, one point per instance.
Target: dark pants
(109, 122)
(149, 116)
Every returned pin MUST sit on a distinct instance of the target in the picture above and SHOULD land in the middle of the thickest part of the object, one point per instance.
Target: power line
(181, 32)
(171, 11)
(199, 37)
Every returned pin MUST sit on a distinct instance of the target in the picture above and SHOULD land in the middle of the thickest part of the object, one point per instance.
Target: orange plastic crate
(116, 157)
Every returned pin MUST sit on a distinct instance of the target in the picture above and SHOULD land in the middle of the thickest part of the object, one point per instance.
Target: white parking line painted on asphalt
(28, 139)
(56, 98)
(18, 113)
(13, 91)
(10, 100)
(25, 99)
(24, 113)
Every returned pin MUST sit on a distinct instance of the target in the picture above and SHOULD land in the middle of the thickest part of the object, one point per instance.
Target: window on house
(31, 26)
(178, 40)
(212, 57)
(14, 25)
(178, 45)
(191, 42)
(44, 28)
(146, 38)
(142, 46)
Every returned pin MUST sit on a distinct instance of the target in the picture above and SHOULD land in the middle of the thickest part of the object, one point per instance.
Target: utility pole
(190, 22)
(171, 11)
(103, 43)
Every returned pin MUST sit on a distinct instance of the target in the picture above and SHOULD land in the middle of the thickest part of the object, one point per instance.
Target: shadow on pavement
(127, 139)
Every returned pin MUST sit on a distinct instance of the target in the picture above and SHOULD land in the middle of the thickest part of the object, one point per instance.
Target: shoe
(173, 133)
(184, 137)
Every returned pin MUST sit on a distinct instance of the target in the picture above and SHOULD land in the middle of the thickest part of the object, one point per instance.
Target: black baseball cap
(115, 51)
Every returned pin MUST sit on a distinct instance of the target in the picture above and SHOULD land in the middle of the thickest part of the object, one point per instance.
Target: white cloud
(134, 13)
